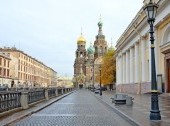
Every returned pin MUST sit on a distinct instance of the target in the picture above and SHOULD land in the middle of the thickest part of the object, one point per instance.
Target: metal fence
(12, 99)
(60, 91)
(9, 100)
(34, 96)
(51, 92)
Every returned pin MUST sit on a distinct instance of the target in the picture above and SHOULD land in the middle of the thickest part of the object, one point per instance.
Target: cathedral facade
(87, 62)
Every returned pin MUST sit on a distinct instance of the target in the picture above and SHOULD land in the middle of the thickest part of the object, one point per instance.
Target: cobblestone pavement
(140, 109)
(78, 109)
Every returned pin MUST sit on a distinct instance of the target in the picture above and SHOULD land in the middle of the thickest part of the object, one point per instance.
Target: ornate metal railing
(36, 95)
(14, 99)
(9, 101)
(59, 91)
(51, 92)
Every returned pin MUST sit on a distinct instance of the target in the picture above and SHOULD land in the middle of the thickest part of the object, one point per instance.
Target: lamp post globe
(151, 10)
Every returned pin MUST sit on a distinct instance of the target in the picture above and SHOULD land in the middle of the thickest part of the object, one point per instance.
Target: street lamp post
(100, 70)
(151, 9)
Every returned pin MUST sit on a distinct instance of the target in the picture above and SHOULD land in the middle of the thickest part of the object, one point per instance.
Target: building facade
(5, 78)
(26, 71)
(133, 58)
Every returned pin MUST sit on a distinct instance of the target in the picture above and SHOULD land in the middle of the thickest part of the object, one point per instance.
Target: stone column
(127, 67)
(131, 65)
(46, 94)
(143, 57)
(117, 69)
(120, 69)
(62, 91)
(124, 68)
(56, 92)
(137, 62)
(24, 100)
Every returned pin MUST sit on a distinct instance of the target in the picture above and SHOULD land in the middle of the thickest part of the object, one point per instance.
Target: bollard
(24, 100)
(46, 94)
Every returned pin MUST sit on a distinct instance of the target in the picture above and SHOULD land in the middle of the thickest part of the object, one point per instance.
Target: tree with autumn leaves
(108, 68)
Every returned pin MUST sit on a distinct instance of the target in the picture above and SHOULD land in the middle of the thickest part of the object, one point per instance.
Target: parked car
(92, 89)
(96, 91)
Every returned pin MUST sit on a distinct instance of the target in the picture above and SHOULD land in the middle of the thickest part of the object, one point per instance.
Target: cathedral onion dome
(100, 24)
(81, 40)
(90, 50)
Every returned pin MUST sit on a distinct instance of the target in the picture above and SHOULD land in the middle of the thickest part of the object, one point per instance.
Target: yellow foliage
(108, 70)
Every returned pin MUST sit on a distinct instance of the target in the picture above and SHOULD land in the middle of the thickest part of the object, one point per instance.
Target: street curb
(39, 109)
(120, 113)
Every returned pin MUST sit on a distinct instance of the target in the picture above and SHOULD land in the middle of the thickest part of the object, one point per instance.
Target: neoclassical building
(26, 71)
(5, 78)
(133, 56)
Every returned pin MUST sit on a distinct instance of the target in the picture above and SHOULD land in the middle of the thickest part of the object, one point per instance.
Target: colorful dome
(81, 40)
(90, 50)
(100, 24)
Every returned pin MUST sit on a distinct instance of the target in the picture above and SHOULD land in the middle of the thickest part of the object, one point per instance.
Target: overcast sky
(48, 29)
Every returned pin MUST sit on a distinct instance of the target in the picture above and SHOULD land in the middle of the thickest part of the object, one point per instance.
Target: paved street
(78, 109)
(140, 109)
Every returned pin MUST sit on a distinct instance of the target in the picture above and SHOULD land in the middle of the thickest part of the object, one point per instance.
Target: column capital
(132, 46)
(137, 42)
(144, 37)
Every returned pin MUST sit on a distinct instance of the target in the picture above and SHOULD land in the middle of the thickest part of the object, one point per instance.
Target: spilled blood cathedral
(87, 62)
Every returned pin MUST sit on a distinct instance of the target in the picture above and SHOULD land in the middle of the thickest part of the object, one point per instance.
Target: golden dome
(81, 40)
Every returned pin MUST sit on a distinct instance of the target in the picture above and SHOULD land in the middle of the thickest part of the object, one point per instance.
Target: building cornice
(138, 22)
(7, 49)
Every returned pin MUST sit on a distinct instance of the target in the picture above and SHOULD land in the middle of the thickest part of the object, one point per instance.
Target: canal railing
(18, 100)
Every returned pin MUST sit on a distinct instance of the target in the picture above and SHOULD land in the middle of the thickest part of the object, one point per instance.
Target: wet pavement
(80, 108)
(140, 110)
(13, 117)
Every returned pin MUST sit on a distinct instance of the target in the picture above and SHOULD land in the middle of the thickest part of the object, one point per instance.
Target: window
(7, 72)
(0, 61)
(0, 71)
(4, 72)
(8, 63)
(4, 62)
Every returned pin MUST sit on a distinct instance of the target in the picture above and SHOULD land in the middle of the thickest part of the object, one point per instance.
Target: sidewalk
(140, 110)
(21, 114)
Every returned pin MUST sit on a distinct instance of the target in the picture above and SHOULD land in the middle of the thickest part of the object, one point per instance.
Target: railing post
(24, 100)
(62, 91)
(46, 94)
(56, 92)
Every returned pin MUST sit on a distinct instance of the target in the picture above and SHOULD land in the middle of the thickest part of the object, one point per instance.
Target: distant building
(64, 82)
(5, 79)
(133, 55)
(26, 71)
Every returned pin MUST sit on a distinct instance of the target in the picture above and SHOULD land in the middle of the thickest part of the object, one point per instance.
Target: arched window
(81, 54)
(166, 36)
(101, 49)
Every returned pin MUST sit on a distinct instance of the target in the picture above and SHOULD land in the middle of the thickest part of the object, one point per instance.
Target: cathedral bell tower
(100, 44)
(80, 57)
